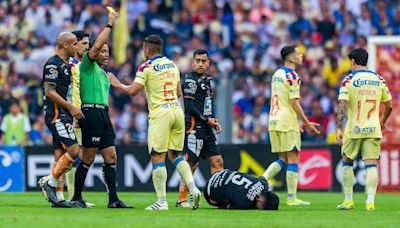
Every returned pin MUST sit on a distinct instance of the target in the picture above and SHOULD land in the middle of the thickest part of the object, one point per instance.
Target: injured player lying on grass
(229, 189)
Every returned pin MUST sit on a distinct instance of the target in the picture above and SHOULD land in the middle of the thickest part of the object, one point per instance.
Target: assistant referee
(97, 129)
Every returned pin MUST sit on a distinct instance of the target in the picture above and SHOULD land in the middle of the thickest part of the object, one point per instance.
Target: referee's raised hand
(111, 17)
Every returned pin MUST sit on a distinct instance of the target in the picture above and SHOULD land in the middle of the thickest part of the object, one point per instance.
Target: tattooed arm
(340, 117)
(51, 93)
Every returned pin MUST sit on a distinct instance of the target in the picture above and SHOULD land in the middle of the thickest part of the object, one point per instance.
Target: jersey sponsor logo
(160, 67)
(356, 130)
(192, 88)
(276, 79)
(53, 74)
(360, 82)
(315, 169)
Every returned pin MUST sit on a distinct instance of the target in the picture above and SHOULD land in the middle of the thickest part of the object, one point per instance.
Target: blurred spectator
(317, 116)
(15, 127)
(301, 28)
(46, 26)
(40, 134)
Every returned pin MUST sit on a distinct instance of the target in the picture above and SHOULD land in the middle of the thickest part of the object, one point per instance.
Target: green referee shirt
(94, 84)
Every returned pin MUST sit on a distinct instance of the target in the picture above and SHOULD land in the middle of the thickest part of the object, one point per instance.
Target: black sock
(80, 176)
(109, 178)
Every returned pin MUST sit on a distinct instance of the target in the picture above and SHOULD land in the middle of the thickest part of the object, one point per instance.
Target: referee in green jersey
(97, 130)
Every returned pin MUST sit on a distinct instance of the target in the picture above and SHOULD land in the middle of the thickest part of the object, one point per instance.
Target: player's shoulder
(287, 73)
(145, 65)
(54, 60)
(73, 62)
(190, 76)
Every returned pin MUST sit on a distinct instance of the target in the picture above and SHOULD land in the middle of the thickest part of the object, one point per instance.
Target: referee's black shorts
(97, 129)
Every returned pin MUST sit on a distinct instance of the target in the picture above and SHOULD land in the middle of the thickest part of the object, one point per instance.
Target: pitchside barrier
(319, 168)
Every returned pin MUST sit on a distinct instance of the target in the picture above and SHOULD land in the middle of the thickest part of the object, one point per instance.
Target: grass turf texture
(31, 210)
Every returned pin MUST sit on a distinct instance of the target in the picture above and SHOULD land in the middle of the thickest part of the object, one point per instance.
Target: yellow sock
(372, 182)
(274, 169)
(185, 172)
(160, 181)
(70, 175)
(348, 180)
(292, 177)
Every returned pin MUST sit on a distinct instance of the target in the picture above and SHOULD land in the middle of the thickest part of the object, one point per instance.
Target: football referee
(97, 129)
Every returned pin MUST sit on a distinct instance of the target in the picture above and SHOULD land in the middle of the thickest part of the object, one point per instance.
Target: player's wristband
(109, 26)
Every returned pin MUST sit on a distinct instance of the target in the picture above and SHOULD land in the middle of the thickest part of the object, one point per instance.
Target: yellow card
(111, 9)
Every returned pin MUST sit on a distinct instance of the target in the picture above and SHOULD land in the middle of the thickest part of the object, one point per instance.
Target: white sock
(192, 187)
(371, 198)
(53, 182)
(291, 196)
(348, 197)
(162, 200)
(60, 196)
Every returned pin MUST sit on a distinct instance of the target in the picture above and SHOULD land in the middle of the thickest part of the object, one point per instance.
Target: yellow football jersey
(364, 90)
(285, 85)
(160, 77)
(76, 94)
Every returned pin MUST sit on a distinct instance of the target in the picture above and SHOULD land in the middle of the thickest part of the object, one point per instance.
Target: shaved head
(63, 38)
(67, 42)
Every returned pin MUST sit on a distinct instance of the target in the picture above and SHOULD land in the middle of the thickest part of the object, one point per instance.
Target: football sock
(185, 172)
(372, 182)
(348, 180)
(183, 190)
(109, 178)
(70, 176)
(60, 188)
(291, 180)
(160, 181)
(60, 168)
(273, 169)
(80, 176)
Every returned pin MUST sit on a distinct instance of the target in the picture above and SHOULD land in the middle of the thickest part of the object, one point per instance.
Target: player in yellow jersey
(284, 128)
(360, 95)
(160, 77)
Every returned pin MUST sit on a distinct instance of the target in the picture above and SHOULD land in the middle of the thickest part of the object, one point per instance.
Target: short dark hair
(287, 50)
(80, 34)
(154, 42)
(360, 56)
(271, 200)
(14, 101)
(200, 52)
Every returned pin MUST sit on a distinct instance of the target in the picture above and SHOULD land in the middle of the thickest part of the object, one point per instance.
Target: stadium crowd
(243, 38)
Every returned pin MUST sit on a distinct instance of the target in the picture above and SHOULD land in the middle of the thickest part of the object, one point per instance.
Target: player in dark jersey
(229, 189)
(200, 141)
(59, 113)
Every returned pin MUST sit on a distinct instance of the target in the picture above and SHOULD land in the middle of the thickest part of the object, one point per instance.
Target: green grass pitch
(31, 210)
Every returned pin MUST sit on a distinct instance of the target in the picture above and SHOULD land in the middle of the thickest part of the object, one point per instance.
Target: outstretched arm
(131, 90)
(300, 113)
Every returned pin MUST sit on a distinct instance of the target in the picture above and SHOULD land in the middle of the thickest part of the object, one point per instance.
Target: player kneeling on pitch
(229, 189)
